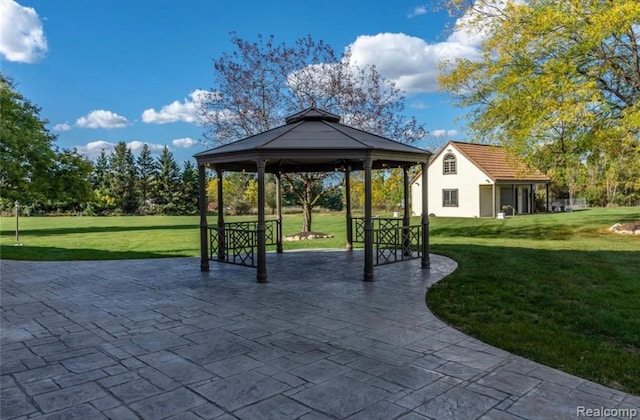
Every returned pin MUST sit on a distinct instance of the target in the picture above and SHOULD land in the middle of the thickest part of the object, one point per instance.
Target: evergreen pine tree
(100, 175)
(190, 193)
(122, 186)
(167, 192)
(147, 176)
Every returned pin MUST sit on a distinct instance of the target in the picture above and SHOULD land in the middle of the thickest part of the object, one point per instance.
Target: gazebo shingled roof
(312, 140)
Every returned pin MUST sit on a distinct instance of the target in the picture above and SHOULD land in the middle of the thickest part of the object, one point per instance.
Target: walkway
(156, 339)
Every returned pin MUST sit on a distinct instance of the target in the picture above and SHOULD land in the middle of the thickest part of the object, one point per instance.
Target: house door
(525, 201)
(486, 201)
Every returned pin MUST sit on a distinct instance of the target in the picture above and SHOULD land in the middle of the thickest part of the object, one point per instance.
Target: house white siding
(466, 181)
(476, 180)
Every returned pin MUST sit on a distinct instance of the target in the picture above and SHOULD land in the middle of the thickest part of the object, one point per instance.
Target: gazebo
(312, 140)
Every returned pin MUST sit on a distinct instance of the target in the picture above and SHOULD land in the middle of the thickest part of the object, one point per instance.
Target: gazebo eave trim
(315, 157)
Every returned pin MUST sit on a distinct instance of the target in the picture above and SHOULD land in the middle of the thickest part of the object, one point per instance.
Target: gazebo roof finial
(313, 114)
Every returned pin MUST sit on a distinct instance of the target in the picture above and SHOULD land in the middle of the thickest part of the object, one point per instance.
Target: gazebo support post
(426, 261)
(221, 234)
(204, 228)
(368, 221)
(262, 249)
(347, 187)
(406, 219)
(278, 214)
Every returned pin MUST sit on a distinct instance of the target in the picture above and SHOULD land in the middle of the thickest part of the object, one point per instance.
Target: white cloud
(185, 142)
(102, 119)
(410, 61)
(62, 127)
(136, 146)
(418, 105)
(92, 149)
(21, 35)
(444, 133)
(413, 63)
(186, 111)
(417, 11)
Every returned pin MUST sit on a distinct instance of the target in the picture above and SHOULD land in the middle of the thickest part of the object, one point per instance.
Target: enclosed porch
(511, 198)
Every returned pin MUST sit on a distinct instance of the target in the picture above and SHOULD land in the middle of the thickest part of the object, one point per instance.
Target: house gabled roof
(496, 162)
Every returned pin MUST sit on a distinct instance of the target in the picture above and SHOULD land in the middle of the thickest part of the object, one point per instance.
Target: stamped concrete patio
(159, 339)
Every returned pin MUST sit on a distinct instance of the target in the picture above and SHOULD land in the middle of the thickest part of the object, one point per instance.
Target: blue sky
(122, 70)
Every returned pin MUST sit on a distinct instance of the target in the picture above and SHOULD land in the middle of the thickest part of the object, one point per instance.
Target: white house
(478, 180)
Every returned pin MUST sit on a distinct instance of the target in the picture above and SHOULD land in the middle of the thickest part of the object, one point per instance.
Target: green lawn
(558, 288)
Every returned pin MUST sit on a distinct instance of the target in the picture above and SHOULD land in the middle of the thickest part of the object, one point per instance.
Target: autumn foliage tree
(557, 82)
(260, 83)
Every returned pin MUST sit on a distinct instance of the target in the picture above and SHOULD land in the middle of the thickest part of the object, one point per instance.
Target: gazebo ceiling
(312, 140)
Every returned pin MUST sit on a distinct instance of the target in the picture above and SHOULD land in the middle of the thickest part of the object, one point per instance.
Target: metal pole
(533, 199)
(493, 197)
(17, 203)
(547, 196)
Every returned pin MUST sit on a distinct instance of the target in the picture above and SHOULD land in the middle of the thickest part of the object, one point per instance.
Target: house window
(449, 198)
(449, 164)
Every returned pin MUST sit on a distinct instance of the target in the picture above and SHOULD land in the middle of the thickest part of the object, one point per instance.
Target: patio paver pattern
(159, 339)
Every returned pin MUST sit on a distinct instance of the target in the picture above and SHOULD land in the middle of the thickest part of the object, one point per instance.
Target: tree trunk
(306, 216)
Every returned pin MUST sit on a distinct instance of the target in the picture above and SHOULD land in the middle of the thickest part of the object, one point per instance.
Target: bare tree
(261, 82)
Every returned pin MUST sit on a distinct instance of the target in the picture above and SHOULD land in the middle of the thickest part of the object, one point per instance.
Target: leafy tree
(394, 188)
(308, 188)
(242, 194)
(70, 180)
(260, 83)
(100, 183)
(332, 200)
(250, 194)
(270, 192)
(167, 192)
(122, 179)
(32, 170)
(228, 189)
(26, 154)
(557, 82)
(147, 174)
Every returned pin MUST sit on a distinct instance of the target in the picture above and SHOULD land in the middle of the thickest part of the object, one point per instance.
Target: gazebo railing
(378, 223)
(397, 244)
(392, 241)
(240, 241)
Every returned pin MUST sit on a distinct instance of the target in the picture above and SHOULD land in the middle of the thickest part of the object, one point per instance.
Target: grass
(558, 288)
(130, 237)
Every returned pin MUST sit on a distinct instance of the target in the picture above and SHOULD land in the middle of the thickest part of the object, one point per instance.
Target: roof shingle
(498, 164)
